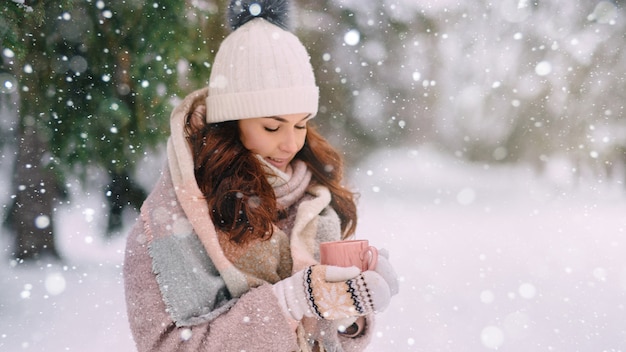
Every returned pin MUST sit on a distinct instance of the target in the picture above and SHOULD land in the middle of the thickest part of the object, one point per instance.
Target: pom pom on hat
(260, 69)
(274, 11)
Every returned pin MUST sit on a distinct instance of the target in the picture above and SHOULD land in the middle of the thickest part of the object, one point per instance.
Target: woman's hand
(384, 269)
(332, 292)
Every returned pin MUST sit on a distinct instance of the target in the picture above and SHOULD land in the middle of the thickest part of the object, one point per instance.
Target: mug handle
(373, 254)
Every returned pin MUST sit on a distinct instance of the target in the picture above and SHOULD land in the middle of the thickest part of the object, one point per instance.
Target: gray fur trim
(192, 288)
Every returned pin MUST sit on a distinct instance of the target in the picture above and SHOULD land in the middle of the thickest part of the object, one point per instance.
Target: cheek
(301, 139)
(248, 143)
(245, 138)
(254, 142)
(301, 142)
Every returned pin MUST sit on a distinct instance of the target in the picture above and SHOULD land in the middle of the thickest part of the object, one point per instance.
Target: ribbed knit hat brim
(264, 103)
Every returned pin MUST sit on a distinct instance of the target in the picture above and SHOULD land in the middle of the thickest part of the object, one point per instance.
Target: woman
(225, 255)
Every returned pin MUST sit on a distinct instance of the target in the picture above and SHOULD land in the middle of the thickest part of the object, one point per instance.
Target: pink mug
(357, 253)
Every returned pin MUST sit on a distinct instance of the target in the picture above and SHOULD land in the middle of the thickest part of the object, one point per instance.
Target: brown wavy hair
(241, 201)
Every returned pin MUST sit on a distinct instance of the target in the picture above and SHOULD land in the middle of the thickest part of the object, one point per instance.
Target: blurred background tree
(93, 83)
(508, 81)
(95, 80)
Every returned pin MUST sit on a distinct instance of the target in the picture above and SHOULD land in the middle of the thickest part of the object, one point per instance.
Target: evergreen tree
(96, 81)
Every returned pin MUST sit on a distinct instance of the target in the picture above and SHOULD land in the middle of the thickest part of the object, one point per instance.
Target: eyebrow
(280, 119)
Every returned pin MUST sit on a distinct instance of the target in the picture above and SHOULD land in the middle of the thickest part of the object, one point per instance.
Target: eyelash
(276, 129)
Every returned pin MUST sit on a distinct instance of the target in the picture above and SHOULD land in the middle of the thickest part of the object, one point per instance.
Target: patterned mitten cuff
(332, 293)
(366, 293)
(293, 294)
(336, 300)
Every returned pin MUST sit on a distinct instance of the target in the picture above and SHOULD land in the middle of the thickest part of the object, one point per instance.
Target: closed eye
(268, 129)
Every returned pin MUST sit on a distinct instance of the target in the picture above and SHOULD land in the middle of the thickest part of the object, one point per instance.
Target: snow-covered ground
(489, 258)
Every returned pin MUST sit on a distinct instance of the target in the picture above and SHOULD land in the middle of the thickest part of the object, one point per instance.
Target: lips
(280, 164)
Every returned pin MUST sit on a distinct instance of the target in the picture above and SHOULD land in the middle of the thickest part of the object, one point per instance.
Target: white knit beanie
(260, 69)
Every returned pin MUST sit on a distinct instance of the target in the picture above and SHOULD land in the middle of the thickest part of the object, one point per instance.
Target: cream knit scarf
(304, 235)
(288, 186)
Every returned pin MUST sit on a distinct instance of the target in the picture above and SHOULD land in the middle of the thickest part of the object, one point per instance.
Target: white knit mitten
(332, 293)
(385, 270)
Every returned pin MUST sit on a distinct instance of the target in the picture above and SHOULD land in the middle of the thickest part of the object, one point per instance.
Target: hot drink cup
(349, 253)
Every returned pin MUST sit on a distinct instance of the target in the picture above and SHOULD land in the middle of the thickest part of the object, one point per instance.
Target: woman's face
(276, 138)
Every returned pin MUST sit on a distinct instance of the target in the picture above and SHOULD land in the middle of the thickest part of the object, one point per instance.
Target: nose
(289, 142)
